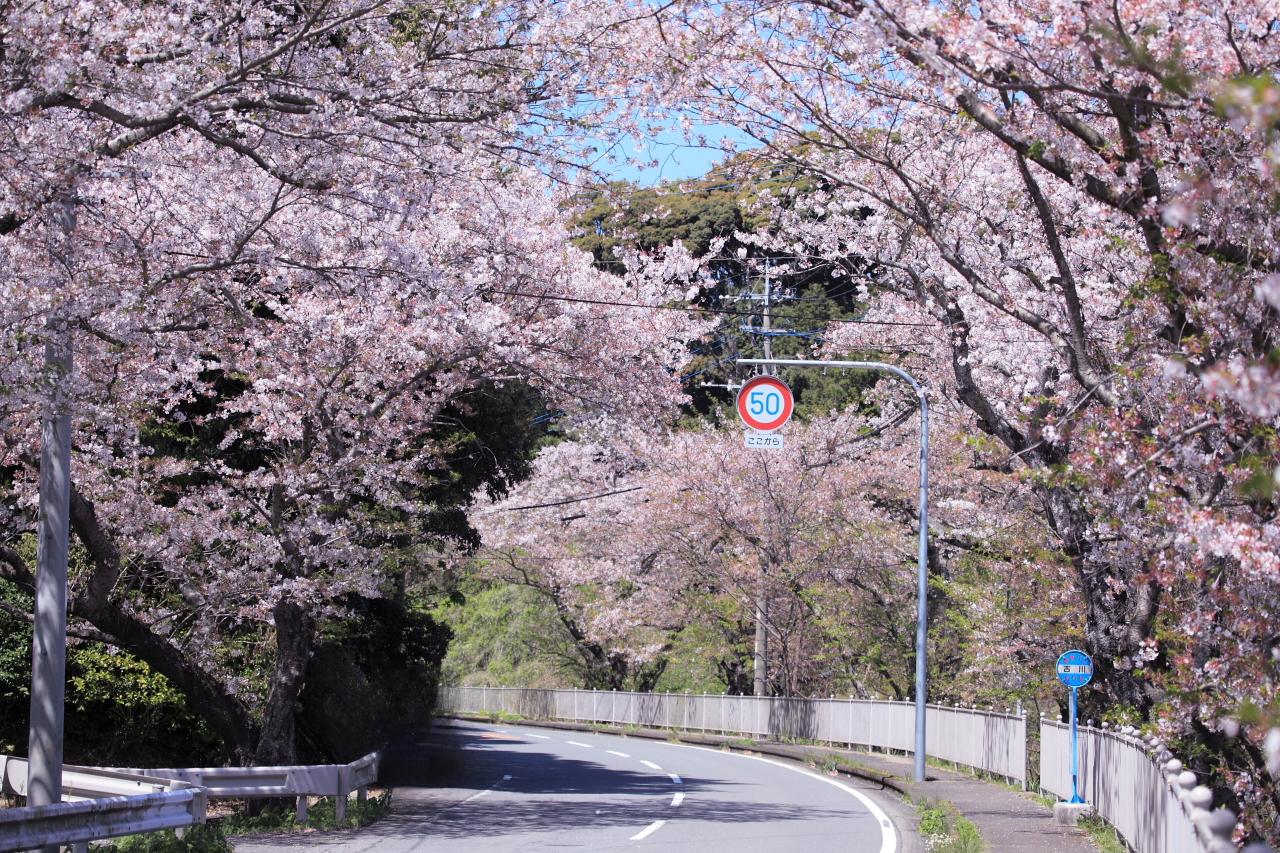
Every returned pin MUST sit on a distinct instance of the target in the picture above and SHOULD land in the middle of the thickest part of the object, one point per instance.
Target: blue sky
(677, 159)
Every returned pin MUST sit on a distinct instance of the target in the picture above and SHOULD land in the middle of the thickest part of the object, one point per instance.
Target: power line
(685, 308)
(568, 500)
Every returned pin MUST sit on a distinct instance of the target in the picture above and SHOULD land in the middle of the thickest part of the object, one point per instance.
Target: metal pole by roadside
(49, 634)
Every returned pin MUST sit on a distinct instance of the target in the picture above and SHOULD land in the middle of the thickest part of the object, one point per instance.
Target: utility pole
(760, 661)
(49, 637)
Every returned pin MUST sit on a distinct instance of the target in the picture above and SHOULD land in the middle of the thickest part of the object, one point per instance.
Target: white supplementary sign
(764, 441)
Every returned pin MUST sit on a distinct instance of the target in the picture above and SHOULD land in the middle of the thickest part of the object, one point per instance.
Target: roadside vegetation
(944, 831)
(216, 836)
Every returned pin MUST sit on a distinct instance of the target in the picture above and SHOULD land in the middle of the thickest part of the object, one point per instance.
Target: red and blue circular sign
(765, 403)
(1075, 668)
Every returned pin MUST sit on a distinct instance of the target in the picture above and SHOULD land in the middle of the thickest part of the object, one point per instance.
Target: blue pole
(1075, 753)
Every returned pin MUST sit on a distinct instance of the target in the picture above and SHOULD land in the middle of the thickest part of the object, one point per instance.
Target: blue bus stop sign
(1075, 668)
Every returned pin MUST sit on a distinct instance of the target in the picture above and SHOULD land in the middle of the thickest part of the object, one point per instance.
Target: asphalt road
(472, 787)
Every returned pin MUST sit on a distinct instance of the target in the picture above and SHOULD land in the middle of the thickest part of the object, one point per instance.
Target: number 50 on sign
(765, 403)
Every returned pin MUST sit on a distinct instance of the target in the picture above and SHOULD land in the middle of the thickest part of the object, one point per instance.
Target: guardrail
(109, 802)
(985, 740)
(299, 781)
(80, 822)
(95, 804)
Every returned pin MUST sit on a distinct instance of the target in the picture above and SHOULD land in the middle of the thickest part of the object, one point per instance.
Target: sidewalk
(1009, 821)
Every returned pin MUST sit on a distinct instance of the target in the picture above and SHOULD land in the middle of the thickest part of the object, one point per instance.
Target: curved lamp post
(922, 565)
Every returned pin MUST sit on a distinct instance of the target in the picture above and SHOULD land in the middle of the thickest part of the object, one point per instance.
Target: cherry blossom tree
(302, 234)
(803, 558)
(1071, 202)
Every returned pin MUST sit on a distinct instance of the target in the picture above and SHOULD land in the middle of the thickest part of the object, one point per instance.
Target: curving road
(473, 787)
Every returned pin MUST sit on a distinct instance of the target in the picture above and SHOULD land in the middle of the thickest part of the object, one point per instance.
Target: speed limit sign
(765, 403)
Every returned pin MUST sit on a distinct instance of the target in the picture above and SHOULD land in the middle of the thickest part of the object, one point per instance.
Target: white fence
(1156, 807)
(989, 741)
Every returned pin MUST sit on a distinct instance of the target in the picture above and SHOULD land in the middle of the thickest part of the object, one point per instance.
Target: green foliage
(321, 815)
(489, 437)
(15, 670)
(934, 820)
(199, 839)
(118, 709)
(694, 655)
(651, 218)
(372, 673)
(697, 213)
(944, 831)
(506, 635)
(1102, 834)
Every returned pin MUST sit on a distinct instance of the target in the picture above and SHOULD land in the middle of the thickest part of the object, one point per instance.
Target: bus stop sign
(1075, 668)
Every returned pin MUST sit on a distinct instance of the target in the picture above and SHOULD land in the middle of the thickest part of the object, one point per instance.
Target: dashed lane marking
(651, 765)
(576, 743)
(648, 830)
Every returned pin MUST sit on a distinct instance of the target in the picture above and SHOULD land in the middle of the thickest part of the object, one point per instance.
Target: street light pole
(49, 634)
(922, 561)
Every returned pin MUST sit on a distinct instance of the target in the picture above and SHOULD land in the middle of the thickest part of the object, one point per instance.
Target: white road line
(650, 764)
(478, 794)
(675, 778)
(889, 844)
(677, 798)
(575, 743)
(619, 754)
(539, 737)
(648, 830)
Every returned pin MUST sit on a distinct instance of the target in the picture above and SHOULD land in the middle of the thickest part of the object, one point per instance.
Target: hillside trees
(302, 237)
(1075, 202)
(716, 218)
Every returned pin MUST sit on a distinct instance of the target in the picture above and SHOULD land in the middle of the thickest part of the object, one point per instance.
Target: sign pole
(1075, 751)
(922, 562)
(922, 591)
(1075, 670)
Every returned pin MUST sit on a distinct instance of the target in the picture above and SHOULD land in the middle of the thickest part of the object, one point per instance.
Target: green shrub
(199, 839)
(321, 815)
(944, 831)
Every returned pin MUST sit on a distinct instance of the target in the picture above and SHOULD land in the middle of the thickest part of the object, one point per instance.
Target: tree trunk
(295, 633)
(226, 715)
